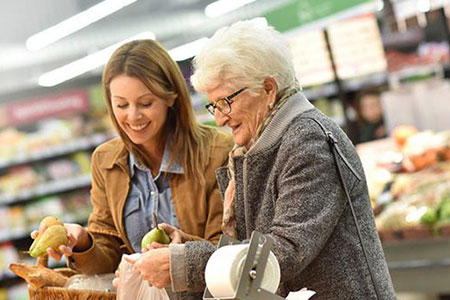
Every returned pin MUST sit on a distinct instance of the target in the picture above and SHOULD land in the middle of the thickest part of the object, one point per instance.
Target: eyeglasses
(223, 104)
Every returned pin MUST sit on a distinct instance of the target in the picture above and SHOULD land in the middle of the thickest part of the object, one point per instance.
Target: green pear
(47, 222)
(155, 235)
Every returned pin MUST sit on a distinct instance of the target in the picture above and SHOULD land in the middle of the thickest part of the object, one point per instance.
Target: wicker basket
(60, 293)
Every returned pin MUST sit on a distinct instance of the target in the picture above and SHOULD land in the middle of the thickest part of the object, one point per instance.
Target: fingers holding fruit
(157, 235)
(51, 238)
(116, 280)
(176, 235)
(54, 238)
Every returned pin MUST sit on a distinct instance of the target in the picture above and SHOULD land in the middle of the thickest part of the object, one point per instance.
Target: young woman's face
(139, 113)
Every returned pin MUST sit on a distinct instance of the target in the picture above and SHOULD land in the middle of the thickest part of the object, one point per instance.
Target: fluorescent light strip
(75, 23)
(187, 50)
(222, 7)
(86, 63)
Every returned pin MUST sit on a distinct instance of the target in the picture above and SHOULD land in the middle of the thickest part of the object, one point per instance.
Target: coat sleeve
(220, 149)
(310, 198)
(188, 264)
(105, 253)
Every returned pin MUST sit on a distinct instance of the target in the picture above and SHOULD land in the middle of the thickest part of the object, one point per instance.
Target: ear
(270, 88)
(171, 101)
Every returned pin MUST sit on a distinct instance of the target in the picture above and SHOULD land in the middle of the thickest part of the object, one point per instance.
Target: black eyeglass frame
(211, 107)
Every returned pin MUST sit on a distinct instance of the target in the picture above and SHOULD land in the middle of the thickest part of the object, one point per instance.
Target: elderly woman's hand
(154, 266)
(116, 280)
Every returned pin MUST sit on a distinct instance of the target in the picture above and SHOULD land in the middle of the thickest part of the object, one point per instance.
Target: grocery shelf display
(45, 170)
(408, 176)
(45, 167)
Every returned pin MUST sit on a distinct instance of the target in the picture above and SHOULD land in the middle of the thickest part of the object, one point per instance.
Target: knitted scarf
(229, 224)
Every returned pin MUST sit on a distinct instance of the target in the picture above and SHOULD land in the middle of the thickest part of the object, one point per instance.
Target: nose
(134, 113)
(221, 119)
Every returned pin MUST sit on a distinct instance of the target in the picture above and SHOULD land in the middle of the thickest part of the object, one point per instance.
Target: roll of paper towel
(226, 264)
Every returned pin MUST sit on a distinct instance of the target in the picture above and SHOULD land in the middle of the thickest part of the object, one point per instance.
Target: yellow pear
(47, 222)
(53, 237)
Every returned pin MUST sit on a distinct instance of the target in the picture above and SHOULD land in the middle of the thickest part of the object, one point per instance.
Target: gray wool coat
(287, 186)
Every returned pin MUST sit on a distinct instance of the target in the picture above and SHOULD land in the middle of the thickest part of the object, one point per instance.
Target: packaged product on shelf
(9, 136)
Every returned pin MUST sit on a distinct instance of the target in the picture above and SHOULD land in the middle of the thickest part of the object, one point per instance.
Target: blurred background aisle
(380, 68)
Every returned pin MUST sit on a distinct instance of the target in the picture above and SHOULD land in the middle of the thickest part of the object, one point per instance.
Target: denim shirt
(148, 195)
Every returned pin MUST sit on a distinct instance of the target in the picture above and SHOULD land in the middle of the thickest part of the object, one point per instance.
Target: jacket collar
(295, 105)
(175, 168)
(115, 154)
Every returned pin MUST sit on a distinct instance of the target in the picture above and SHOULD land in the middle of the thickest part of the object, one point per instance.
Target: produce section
(49, 135)
(45, 170)
(408, 177)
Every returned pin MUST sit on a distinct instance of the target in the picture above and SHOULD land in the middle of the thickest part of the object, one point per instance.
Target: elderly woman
(282, 178)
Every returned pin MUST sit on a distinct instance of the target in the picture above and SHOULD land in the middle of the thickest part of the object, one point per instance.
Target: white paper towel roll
(226, 264)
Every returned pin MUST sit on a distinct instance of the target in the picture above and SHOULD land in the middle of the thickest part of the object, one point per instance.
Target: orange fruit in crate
(402, 133)
(425, 159)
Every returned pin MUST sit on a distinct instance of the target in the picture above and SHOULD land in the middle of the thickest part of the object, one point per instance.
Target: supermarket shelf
(52, 187)
(349, 85)
(420, 265)
(78, 144)
(366, 81)
(323, 90)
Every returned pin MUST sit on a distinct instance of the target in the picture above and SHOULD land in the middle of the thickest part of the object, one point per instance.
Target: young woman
(163, 162)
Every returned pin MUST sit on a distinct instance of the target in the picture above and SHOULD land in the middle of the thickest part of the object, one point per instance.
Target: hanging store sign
(28, 111)
(298, 13)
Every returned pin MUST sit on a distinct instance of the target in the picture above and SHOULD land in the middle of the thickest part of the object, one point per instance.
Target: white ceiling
(174, 22)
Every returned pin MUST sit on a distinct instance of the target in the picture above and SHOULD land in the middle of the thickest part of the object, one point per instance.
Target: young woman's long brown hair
(148, 61)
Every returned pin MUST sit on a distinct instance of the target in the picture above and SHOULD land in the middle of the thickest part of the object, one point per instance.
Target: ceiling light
(187, 50)
(222, 7)
(191, 49)
(86, 63)
(75, 23)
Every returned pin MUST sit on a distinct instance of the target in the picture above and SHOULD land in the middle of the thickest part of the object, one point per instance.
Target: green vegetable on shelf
(430, 216)
(444, 210)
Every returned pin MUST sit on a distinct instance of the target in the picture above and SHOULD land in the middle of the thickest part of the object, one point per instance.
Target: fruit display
(409, 183)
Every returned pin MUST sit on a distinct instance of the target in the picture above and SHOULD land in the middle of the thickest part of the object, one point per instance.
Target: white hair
(244, 54)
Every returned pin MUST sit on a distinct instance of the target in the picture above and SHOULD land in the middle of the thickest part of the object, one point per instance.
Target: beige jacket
(198, 208)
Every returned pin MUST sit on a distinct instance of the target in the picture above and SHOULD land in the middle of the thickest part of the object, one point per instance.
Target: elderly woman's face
(247, 111)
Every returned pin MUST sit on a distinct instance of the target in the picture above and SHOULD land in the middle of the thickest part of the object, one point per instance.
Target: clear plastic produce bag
(133, 286)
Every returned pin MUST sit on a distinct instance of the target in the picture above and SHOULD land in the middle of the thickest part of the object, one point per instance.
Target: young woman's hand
(78, 237)
(177, 236)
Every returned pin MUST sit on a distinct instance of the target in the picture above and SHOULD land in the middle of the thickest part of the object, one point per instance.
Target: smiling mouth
(138, 127)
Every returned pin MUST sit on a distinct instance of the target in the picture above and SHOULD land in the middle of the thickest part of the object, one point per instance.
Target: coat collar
(296, 105)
